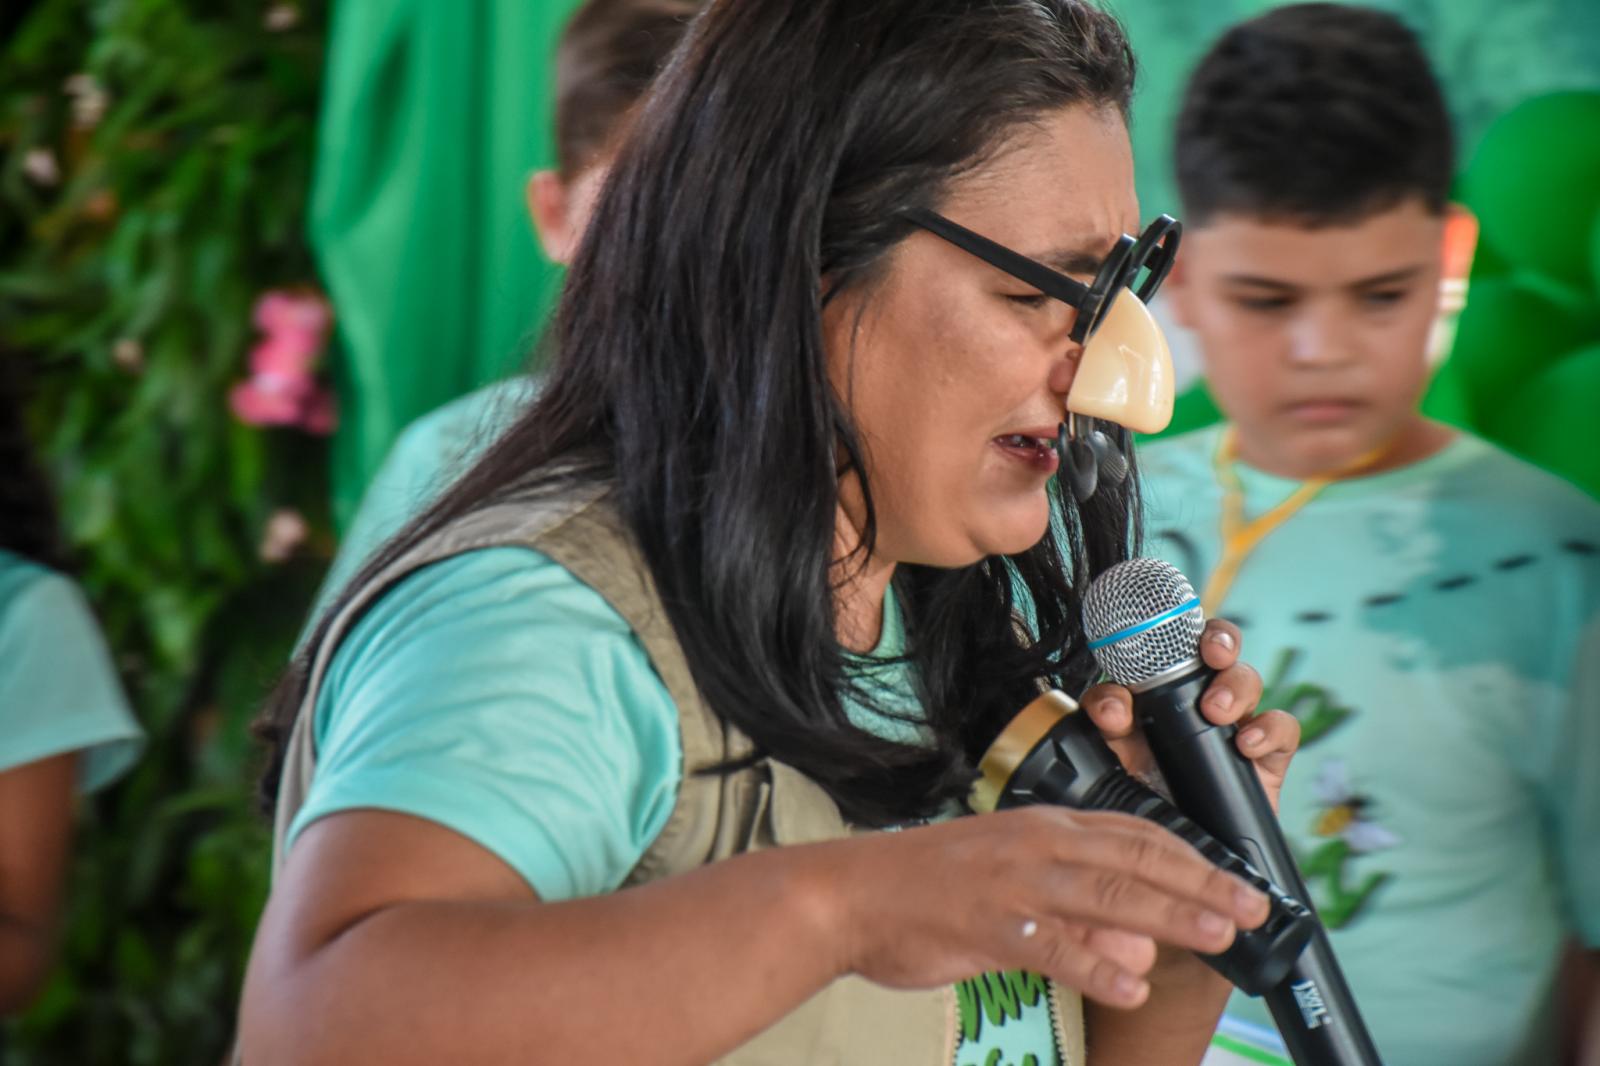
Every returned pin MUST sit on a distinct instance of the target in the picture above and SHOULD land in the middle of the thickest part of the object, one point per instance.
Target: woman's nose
(1064, 369)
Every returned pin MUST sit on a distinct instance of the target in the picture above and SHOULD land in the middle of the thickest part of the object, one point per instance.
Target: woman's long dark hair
(29, 526)
(781, 146)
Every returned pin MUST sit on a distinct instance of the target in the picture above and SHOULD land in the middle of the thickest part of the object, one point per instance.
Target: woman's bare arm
(394, 940)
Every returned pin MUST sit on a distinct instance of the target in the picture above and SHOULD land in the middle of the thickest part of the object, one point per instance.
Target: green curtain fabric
(433, 114)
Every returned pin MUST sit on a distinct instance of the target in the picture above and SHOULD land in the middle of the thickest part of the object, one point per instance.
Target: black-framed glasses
(1140, 265)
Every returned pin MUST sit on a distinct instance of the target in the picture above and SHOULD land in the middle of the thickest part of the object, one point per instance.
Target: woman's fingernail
(1252, 737)
(1222, 638)
(1128, 986)
(1250, 901)
(1222, 700)
(1212, 924)
(1110, 706)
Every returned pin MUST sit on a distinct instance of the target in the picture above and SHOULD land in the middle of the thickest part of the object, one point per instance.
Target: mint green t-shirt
(1436, 629)
(436, 448)
(497, 695)
(58, 690)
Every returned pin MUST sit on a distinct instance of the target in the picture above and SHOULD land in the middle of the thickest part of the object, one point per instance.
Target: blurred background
(243, 244)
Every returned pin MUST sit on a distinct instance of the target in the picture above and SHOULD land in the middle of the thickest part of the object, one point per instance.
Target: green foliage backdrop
(156, 161)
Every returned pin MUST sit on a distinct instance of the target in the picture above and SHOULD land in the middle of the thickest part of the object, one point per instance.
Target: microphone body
(1215, 785)
(1145, 623)
(1049, 754)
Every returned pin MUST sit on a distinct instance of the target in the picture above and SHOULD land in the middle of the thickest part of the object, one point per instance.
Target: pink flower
(256, 404)
(281, 311)
(286, 355)
(282, 389)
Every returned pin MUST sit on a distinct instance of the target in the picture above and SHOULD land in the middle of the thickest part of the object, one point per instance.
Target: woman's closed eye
(1027, 299)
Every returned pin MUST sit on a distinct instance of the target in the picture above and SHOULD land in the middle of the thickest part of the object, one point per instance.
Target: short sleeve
(428, 453)
(59, 692)
(1573, 788)
(497, 695)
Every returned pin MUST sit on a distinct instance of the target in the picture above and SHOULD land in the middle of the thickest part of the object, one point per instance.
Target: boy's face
(1314, 339)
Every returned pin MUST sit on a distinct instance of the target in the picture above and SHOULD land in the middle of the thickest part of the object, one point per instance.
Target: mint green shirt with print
(497, 695)
(59, 692)
(1436, 629)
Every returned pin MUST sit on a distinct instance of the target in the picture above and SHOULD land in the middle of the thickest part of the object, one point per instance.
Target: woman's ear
(550, 208)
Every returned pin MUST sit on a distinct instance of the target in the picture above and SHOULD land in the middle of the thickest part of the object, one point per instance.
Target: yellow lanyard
(1239, 538)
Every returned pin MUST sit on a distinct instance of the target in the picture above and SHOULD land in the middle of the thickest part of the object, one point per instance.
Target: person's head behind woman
(607, 57)
(754, 340)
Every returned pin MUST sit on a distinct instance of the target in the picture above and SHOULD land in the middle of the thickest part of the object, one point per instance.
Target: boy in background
(1426, 604)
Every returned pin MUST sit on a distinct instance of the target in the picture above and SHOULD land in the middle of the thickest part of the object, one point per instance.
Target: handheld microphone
(1049, 754)
(1144, 621)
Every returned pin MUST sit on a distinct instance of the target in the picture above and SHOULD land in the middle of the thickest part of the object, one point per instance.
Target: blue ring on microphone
(1149, 623)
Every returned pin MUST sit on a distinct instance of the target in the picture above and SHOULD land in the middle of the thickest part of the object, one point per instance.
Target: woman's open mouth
(1037, 452)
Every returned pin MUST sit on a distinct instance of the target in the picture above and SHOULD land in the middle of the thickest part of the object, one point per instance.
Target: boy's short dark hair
(1317, 113)
(610, 51)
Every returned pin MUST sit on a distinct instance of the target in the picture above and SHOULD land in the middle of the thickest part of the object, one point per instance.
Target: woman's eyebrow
(1080, 260)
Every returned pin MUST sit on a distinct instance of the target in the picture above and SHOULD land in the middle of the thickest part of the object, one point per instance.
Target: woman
(746, 575)
(64, 722)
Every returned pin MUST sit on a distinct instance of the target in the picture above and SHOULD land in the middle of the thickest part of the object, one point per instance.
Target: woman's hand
(1080, 897)
(1099, 891)
(1187, 995)
(1268, 740)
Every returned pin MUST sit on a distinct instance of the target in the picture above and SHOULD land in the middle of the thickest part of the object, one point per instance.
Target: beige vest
(716, 815)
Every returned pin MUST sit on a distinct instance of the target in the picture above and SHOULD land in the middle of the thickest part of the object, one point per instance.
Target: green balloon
(1448, 399)
(1551, 420)
(1507, 333)
(1594, 253)
(1534, 183)
(1487, 262)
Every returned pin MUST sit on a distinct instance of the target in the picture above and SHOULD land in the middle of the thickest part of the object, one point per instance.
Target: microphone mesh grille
(1133, 592)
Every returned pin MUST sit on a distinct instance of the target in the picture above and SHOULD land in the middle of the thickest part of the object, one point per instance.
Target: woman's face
(955, 373)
